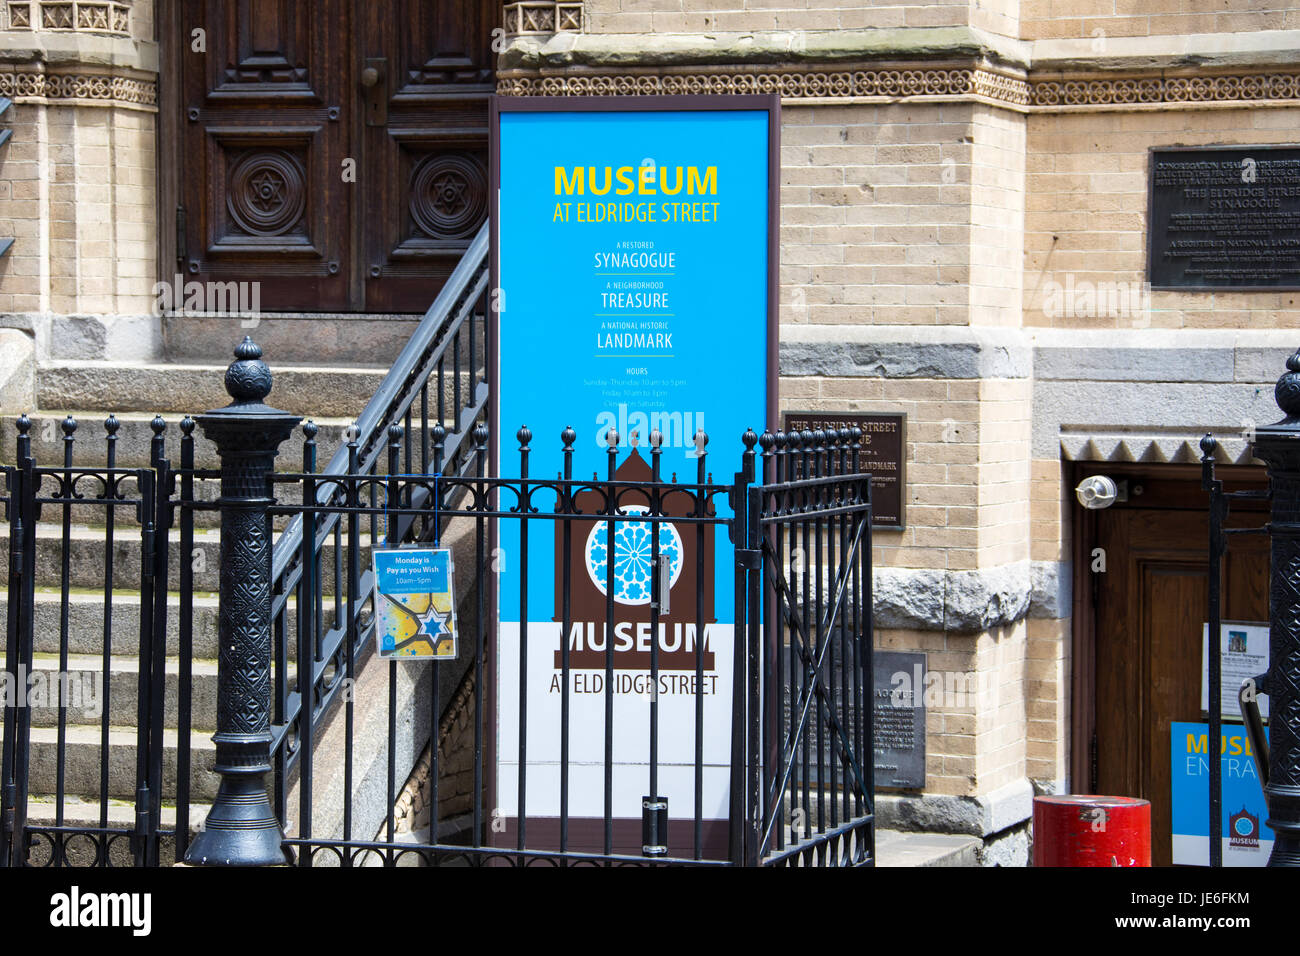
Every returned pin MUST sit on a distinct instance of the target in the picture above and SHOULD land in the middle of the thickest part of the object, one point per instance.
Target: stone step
(82, 764)
(86, 622)
(85, 605)
(87, 701)
(80, 851)
(119, 387)
(134, 437)
(907, 848)
(87, 545)
(303, 338)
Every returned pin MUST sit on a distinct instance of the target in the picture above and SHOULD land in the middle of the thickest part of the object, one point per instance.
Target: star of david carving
(449, 194)
(268, 191)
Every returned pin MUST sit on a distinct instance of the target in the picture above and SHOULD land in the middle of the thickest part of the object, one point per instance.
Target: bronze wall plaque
(1224, 218)
(884, 456)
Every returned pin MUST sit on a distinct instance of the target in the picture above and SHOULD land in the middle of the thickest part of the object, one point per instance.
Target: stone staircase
(317, 374)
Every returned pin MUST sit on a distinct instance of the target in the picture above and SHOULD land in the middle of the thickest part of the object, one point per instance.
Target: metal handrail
(424, 354)
(409, 373)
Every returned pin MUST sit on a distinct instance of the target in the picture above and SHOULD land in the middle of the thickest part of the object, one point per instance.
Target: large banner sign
(635, 284)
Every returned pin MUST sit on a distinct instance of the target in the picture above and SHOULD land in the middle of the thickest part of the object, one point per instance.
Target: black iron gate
(809, 618)
(69, 727)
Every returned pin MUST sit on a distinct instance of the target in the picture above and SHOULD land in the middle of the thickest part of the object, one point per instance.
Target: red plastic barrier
(1083, 830)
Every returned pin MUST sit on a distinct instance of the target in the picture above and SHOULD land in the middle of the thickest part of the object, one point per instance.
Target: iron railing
(446, 352)
(93, 809)
(300, 696)
(799, 722)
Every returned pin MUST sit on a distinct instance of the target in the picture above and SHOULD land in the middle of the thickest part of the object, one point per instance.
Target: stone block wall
(1097, 20)
(696, 16)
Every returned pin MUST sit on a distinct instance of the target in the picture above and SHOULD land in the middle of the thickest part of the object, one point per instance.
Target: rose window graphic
(632, 556)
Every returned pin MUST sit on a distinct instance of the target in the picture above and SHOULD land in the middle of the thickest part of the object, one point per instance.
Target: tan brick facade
(79, 188)
(1086, 190)
(78, 178)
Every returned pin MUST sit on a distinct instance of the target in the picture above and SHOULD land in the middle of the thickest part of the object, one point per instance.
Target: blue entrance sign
(1247, 841)
(635, 290)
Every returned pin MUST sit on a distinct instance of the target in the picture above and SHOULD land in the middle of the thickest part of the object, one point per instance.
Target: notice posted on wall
(1243, 651)
(415, 608)
(1247, 840)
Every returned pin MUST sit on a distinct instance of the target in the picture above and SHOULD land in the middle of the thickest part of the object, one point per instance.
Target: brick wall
(1099, 19)
(78, 185)
(1086, 208)
(695, 16)
(904, 214)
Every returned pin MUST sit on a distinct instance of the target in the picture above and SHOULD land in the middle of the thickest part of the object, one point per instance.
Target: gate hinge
(147, 555)
(748, 558)
(7, 818)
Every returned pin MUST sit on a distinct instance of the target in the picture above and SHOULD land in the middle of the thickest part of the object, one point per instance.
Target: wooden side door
(335, 151)
(427, 74)
(1150, 605)
(264, 105)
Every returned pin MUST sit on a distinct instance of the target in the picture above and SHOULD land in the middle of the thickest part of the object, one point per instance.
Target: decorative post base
(241, 829)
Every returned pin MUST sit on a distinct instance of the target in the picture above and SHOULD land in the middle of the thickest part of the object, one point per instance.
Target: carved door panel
(335, 151)
(263, 128)
(424, 168)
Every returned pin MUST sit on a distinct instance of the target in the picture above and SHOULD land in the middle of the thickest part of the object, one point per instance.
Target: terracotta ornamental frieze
(903, 82)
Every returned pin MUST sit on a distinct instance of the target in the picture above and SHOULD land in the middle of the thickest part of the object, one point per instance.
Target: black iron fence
(800, 789)
(50, 750)
(204, 639)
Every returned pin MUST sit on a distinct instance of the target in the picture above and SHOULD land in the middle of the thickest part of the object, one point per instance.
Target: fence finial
(248, 379)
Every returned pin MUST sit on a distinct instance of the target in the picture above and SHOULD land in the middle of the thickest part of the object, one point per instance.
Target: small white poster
(1244, 654)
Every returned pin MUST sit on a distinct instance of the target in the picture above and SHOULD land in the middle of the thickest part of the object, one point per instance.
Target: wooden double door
(333, 150)
(1148, 610)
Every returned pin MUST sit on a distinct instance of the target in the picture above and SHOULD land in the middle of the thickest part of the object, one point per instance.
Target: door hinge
(1092, 764)
(181, 250)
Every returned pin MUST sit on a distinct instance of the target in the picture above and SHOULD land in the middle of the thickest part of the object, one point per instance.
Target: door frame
(1081, 760)
(167, 22)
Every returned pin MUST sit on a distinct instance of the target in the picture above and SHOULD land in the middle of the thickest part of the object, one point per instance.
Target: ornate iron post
(1278, 446)
(241, 829)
